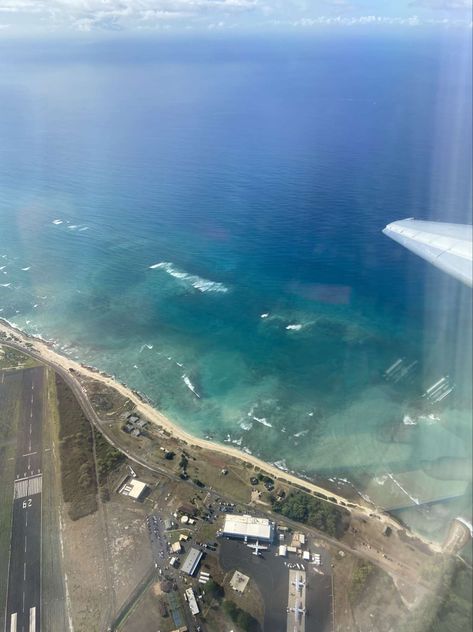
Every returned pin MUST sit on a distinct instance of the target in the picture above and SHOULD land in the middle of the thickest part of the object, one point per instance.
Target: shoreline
(42, 350)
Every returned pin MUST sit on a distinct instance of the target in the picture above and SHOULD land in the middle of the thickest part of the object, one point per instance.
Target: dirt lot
(370, 604)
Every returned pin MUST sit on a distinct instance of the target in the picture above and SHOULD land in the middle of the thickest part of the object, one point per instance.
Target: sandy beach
(55, 360)
(42, 349)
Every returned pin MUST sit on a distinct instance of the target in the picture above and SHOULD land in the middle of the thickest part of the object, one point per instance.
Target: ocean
(202, 218)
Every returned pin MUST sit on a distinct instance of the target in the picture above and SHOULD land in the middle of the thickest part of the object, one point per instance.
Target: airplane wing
(447, 246)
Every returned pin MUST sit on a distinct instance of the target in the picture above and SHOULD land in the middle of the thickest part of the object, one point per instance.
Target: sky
(50, 16)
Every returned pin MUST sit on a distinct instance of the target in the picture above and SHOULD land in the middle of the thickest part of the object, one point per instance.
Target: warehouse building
(192, 561)
(248, 528)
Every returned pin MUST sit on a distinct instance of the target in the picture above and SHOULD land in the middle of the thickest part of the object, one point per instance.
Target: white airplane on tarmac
(299, 584)
(257, 548)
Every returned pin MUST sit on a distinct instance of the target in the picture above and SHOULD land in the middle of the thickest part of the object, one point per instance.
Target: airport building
(239, 581)
(133, 488)
(192, 561)
(248, 528)
(191, 600)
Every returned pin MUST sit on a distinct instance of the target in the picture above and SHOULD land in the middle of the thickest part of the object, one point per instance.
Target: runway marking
(33, 619)
(29, 454)
(23, 601)
(31, 413)
(24, 571)
(26, 541)
(26, 518)
(28, 486)
(13, 622)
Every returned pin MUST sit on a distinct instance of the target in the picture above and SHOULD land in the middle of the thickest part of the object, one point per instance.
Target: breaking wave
(198, 283)
(190, 386)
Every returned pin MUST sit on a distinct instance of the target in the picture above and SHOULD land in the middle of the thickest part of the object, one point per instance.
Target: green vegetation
(108, 457)
(455, 612)
(243, 619)
(449, 608)
(360, 576)
(78, 478)
(214, 590)
(311, 511)
(12, 358)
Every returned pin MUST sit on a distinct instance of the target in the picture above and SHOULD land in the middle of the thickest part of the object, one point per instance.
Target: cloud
(87, 15)
(443, 5)
(113, 15)
(377, 20)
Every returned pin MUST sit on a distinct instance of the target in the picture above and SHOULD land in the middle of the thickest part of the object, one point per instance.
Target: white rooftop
(194, 608)
(133, 488)
(239, 581)
(248, 527)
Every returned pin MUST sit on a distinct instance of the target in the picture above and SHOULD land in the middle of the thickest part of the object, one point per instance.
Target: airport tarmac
(271, 574)
(23, 611)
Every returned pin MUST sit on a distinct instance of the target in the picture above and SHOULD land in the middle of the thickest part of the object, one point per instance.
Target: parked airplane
(299, 583)
(298, 611)
(257, 548)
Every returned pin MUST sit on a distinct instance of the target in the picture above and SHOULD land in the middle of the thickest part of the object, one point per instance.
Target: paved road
(24, 578)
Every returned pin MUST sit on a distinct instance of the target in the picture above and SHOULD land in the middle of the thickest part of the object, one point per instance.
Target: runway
(23, 612)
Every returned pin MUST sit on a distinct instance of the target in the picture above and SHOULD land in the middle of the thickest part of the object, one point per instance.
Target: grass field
(79, 485)
(13, 359)
(9, 413)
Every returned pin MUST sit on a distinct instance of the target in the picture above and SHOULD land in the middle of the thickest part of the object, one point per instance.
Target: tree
(214, 590)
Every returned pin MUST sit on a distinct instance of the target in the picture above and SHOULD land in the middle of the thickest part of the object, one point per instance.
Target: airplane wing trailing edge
(447, 246)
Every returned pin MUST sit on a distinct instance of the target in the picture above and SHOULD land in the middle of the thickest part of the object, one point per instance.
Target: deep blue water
(259, 174)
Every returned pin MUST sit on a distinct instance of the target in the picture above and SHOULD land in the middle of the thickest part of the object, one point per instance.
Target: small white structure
(133, 488)
(176, 547)
(190, 597)
(282, 550)
(306, 556)
(239, 581)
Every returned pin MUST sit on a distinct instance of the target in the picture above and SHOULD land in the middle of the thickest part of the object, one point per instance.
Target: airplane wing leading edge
(446, 246)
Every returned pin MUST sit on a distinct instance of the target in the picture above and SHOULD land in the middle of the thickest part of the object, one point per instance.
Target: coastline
(42, 350)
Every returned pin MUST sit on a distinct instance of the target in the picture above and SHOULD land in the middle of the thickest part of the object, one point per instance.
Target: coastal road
(23, 609)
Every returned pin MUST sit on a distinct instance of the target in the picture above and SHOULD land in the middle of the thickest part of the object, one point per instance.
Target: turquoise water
(203, 221)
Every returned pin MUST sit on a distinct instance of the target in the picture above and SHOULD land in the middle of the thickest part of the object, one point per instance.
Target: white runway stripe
(28, 487)
(13, 622)
(32, 619)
